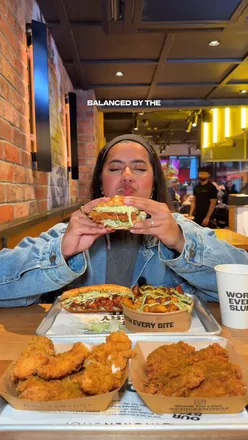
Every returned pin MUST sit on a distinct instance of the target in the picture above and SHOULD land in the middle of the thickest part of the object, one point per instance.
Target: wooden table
(18, 325)
(233, 238)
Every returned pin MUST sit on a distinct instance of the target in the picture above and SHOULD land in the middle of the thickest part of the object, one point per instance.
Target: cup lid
(232, 269)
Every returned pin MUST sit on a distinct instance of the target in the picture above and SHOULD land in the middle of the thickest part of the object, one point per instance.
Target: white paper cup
(232, 281)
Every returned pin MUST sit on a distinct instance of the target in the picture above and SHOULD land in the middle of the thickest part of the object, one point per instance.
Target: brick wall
(24, 191)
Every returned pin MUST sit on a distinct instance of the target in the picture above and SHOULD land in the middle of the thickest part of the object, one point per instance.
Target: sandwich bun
(104, 288)
(96, 298)
(116, 215)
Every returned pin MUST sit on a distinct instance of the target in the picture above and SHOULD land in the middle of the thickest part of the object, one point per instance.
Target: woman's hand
(161, 224)
(82, 231)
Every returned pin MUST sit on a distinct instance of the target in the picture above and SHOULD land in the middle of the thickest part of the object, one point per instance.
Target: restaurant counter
(18, 325)
(238, 213)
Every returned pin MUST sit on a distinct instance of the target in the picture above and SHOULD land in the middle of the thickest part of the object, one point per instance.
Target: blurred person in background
(204, 200)
(244, 189)
(174, 194)
(186, 204)
(230, 188)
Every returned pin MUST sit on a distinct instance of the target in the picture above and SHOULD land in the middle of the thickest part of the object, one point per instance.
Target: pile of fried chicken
(179, 370)
(42, 375)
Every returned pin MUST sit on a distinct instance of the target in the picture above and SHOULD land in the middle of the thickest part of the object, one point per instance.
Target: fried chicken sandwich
(116, 215)
(97, 298)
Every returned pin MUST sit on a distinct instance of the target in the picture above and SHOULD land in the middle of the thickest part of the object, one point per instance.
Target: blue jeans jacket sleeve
(202, 252)
(36, 266)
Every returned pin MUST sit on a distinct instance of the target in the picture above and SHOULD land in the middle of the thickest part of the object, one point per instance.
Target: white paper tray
(128, 414)
(59, 323)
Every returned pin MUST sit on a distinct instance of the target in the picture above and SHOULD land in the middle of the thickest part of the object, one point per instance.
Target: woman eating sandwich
(162, 248)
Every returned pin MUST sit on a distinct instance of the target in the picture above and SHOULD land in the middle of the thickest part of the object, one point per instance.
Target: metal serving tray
(128, 415)
(207, 323)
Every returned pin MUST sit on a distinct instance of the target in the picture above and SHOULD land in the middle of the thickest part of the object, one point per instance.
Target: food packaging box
(136, 321)
(90, 403)
(174, 405)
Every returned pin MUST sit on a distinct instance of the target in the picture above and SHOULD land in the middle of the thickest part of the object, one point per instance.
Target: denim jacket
(36, 265)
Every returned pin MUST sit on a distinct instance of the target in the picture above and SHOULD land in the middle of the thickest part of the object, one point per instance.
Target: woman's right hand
(82, 231)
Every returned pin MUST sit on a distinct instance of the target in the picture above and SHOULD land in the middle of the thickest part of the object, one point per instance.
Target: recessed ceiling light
(119, 74)
(243, 91)
(214, 43)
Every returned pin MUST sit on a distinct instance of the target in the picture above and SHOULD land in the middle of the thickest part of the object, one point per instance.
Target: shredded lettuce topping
(82, 298)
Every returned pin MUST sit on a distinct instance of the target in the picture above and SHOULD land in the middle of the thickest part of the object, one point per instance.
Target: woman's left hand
(161, 224)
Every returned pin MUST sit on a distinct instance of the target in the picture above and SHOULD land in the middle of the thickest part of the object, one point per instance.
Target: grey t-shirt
(121, 257)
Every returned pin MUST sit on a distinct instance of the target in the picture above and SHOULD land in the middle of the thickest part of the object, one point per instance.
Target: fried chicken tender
(179, 386)
(222, 378)
(105, 364)
(64, 363)
(116, 351)
(159, 308)
(99, 378)
(34, 356)
(211, 351)
(129, 303)
(177, 370)
(39, 390)
(168, 360)
(120, 340)
(218, 364)
(219, 385)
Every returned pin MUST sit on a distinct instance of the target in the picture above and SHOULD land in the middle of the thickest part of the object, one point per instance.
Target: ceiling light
(155, 128)
(214, 43)
(141, 113)
(136, 128)
(243, 91)
(194, 124)
(119, 74)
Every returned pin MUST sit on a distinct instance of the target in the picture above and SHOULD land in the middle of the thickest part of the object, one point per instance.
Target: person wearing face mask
(164, 249)
(205, 199)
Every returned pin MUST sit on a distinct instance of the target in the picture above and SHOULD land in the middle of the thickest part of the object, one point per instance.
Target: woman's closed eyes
(134, 169)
